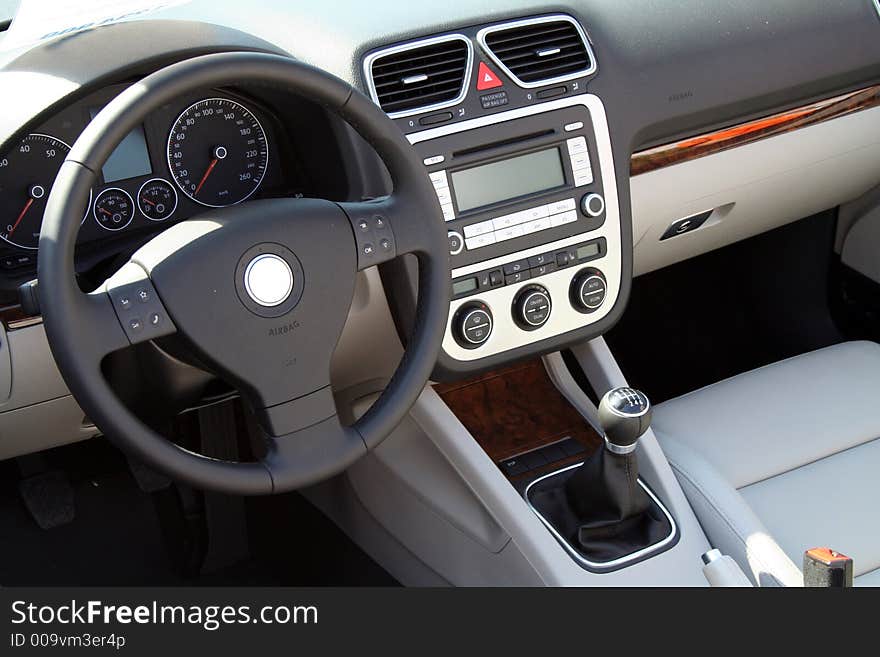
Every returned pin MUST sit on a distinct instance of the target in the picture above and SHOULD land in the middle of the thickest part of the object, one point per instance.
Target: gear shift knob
(624, 414)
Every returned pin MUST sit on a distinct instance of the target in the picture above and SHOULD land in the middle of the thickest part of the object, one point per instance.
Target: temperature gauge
(113, 209)
(157, 199)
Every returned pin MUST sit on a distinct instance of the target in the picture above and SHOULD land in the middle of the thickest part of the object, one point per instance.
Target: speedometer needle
(205, 177)
(27, 206)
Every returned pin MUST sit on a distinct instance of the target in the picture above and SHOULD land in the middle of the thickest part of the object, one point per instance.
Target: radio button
(562, 206)
(583, 177)
(434, 159)
(439, 179)
(479, 229)
(564, 218)
(444, 195)
(536, 226)
(577, 145)
(509, 233)
(507, 220)
(571, 127)
(535, 213)
(580, 161)
(448, 211)
(480, 241)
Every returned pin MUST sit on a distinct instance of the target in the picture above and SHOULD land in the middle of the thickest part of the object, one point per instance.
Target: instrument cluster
(208, 150)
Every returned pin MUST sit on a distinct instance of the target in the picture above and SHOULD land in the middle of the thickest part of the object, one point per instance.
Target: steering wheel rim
(82, 328)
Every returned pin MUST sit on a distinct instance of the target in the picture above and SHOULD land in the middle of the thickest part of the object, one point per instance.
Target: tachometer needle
(27, 206)
(205, 177)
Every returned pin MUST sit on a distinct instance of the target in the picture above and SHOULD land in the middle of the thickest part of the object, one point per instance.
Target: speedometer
(217, 152)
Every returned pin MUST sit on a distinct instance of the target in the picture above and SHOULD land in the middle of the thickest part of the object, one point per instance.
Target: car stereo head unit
(532, 217)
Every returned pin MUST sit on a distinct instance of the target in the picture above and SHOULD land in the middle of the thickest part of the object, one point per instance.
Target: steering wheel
(259, 292)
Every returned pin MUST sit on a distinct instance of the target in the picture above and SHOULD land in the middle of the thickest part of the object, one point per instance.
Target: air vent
(420, 76)
(539, 51)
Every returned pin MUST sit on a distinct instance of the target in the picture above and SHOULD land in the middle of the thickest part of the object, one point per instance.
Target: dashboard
(526, 117)
(212, 148)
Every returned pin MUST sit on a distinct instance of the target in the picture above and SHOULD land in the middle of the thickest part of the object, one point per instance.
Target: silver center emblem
(268, 280)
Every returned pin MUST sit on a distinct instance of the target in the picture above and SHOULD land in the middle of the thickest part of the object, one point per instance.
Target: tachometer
(26, 176)
(217, 152)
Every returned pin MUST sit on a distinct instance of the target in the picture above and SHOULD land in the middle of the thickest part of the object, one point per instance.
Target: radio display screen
(499, 181)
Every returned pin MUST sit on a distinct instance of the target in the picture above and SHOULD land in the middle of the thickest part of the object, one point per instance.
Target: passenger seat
(785, 458)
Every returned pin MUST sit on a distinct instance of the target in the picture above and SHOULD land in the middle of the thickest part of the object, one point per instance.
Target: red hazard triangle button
(486, 79)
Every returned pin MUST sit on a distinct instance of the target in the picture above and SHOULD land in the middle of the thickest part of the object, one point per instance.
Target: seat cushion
(799, 442)
(764, 422)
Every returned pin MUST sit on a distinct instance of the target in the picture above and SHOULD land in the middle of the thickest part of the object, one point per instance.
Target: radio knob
(472, 324)
(588, 289)
(592, 205)
(531, 307)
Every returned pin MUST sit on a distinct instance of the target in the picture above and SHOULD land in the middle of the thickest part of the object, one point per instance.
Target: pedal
(48, 496)
(148, 480)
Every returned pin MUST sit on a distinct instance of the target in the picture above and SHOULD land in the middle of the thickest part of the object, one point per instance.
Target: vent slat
(518, 47)
(393, 76)
(445, 65)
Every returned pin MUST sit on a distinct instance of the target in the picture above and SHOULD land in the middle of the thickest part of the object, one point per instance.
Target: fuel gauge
(113, 209)
(157, 199)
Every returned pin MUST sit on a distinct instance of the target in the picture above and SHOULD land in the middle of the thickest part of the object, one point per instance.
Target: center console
(521, 161)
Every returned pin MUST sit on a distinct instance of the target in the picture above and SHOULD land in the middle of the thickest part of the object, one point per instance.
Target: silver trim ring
(464, 321)
(266, 283)
(531, 294)
(614, 563)
(620, 449)
(410, 45)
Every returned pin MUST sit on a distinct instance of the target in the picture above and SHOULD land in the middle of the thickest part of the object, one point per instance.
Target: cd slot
(503, 143)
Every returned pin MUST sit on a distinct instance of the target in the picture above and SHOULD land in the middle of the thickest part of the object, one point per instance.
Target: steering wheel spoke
(138, 310)
(311, 454)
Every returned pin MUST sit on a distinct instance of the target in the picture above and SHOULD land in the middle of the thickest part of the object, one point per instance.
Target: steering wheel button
(363, 225)
(135, 324)
(143, 295)
(124, 302)
(155, 319)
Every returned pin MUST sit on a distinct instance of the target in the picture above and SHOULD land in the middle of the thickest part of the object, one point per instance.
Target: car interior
(506, 293)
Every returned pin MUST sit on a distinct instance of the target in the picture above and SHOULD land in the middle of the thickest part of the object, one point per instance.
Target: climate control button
(532, 307)
(588, 290)
(472, 324)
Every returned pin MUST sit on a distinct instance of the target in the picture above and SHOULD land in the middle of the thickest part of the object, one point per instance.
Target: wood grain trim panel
(515, 410)
(13, 317)
(720, 140)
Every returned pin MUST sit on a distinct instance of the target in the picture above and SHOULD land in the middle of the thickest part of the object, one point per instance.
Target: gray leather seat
(783, 459)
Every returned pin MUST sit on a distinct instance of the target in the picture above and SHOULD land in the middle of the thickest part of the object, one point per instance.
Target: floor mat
(116, 537)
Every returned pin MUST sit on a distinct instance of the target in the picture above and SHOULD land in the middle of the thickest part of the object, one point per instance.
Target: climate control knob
(472, 324)
(588, 289)
(531, 307)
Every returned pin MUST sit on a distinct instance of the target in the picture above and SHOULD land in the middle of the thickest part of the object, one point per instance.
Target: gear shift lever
(612, 511)
(625, 415)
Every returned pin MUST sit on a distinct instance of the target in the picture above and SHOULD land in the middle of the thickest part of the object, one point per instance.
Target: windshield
(7, 9)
